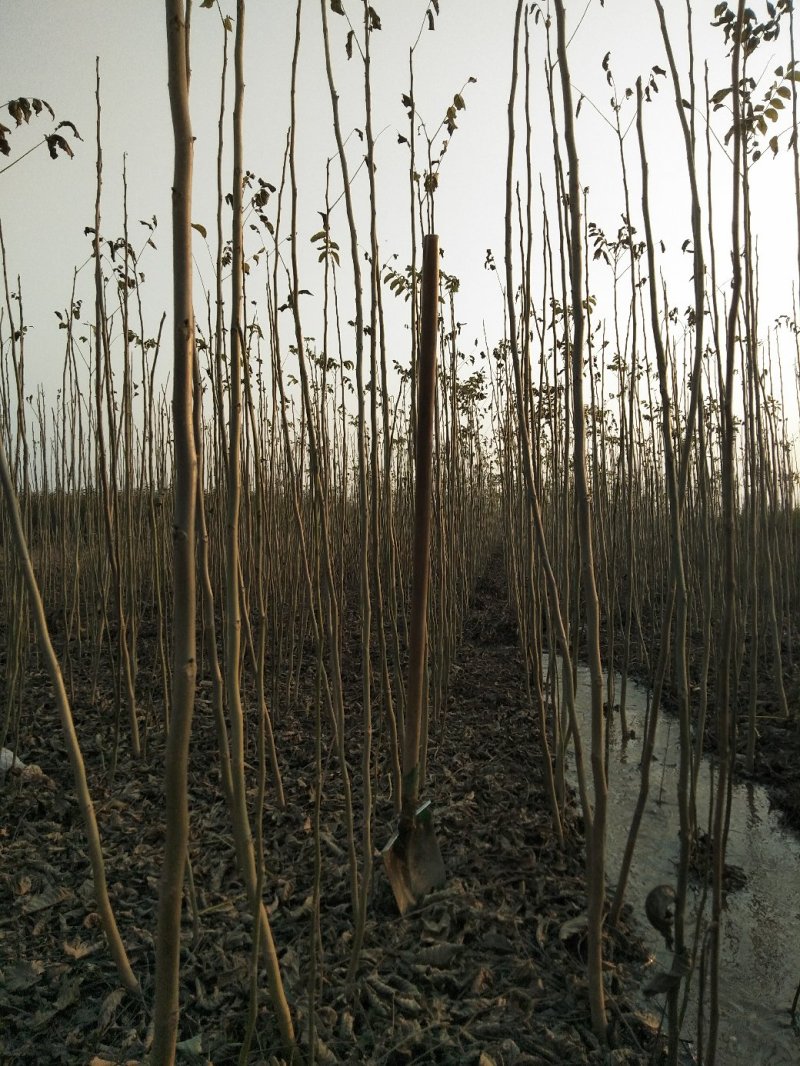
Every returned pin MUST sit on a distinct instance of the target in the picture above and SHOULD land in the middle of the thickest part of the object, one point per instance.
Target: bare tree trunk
(595, 858)
(166, 1008)
(729, 563)
(233, 618)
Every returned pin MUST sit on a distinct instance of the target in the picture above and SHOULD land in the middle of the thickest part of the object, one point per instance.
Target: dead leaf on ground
(109, 1008)
(20, 976)
(78, 949)
(50, 897)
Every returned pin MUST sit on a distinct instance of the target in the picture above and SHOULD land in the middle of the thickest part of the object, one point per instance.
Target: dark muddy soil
(490, 969)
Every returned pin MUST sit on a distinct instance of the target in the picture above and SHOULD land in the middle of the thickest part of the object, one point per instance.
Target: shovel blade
(413, 860)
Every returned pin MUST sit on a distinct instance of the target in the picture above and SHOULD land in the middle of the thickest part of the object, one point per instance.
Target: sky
(48, 50)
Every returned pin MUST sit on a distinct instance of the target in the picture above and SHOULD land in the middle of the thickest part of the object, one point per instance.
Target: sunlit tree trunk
(166, 1008)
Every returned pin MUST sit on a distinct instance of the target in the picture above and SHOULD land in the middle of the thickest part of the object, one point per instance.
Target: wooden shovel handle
(426, 393)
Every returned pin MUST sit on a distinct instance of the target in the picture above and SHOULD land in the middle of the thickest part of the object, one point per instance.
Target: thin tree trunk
(595, 858)
(166, 1008)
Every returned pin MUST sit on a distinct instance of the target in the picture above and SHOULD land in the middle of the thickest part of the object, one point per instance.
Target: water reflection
(760, 951)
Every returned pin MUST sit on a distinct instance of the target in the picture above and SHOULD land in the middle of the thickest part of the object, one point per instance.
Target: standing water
(760, 949)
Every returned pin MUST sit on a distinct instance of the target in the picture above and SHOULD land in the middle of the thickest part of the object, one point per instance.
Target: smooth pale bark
(166, 1008)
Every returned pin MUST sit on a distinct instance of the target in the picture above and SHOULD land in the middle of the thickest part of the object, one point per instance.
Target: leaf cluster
(756, 116)
(372, 21)
(402, 283)
(22, 110)
(753, 30)
(327, 248)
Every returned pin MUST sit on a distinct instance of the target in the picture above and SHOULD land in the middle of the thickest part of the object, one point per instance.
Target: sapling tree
(595, 860)
(166, 1008)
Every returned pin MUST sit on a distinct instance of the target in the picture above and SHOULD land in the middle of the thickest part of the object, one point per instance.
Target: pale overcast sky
(48, 49)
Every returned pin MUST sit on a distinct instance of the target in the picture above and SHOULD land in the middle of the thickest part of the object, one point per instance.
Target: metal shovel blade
(413, 860)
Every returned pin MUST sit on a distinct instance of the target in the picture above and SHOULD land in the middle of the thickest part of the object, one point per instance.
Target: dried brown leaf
(438, 954)
(109, 1008)
(68, 993)
(78, 949)
(50, 897)
(20, 976)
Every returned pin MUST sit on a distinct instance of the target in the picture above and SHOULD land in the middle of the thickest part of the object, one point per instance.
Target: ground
(490, 969)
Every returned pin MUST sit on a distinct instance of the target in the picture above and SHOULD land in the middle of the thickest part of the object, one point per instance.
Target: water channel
(760, 952)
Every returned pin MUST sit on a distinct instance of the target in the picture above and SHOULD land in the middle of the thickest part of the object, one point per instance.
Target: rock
(8, 761)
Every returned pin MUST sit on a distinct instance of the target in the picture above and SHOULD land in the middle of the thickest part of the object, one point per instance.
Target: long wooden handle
(418, 637)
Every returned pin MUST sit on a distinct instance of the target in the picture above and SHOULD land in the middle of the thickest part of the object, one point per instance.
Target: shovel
(412, 858)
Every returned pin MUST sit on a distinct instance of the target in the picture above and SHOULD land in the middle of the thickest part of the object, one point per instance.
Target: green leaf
(200, 229)
(458, 100)
(374, 20)
(771, 114)
(207, 3)
(336, 7)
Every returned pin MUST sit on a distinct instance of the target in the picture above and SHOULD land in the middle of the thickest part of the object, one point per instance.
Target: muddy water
(760, 952)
